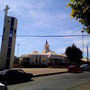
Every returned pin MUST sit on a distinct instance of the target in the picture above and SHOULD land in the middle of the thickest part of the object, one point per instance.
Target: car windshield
(84, 65)
(21, 71)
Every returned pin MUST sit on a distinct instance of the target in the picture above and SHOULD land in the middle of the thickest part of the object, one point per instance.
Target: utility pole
(87, 55)
(83, 42)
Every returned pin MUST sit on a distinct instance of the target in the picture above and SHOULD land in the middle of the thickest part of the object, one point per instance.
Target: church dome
(35, 52)
(51, 53)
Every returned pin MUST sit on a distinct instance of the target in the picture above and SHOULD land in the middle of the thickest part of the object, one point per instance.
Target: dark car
(74, 69)
(15, 76)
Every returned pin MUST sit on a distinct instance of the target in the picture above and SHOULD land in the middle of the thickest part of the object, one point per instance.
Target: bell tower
(47, 47)
(8, 41)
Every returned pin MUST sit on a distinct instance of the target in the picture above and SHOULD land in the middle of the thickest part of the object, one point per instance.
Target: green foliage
(81, 12)
(74, 54)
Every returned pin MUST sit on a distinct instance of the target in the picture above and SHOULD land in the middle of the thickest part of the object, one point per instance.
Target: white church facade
(47, 57)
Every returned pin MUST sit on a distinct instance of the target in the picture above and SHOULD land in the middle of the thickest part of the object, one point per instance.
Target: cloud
(36, 13)
(34, 10)
(79, 42)
(21, 7)
(85, 50)
(43, 17)
(60, 50)
(28, 45)
(46, 19)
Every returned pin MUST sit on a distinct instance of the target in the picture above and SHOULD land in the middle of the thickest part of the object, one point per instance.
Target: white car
(85, 67)
(3, 87)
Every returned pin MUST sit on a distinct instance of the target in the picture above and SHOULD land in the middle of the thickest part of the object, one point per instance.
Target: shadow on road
(13, 83)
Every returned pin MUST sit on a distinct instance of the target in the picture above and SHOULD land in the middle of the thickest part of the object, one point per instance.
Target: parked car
(74, 69)
(3, 87)
(15, 76)
(85, 67)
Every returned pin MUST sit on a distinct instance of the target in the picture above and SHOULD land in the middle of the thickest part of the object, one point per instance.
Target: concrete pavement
(37, 72)
(84, 86)
(67, 81)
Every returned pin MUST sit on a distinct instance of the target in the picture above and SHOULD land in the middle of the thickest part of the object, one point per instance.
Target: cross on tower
(6, 10)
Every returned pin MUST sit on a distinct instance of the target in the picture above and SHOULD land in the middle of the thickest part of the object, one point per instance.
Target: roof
(51, 53)
(26, 55)
(35, 53)
(63, 55)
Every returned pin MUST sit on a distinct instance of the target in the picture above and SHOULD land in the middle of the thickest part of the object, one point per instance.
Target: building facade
(47, 57)
(8, 41)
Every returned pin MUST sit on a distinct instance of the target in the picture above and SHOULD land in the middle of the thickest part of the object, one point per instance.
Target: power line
(49, 35)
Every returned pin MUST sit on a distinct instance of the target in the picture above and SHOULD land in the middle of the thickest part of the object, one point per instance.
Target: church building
(47, 57)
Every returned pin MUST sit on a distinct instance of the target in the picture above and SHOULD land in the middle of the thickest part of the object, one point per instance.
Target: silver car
(85, 67)
(3, 87)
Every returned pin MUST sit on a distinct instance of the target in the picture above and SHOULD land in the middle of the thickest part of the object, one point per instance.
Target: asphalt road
(55, 82)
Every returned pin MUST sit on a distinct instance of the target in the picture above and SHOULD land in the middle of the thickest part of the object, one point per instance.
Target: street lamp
(83, 41)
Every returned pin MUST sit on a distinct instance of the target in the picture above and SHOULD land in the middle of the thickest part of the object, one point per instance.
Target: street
(67, 81)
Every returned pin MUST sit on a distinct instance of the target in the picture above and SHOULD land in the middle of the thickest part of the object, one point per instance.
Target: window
(7, 63)
(8, 21)
(10, 42)
(9, 53)
(12, 21)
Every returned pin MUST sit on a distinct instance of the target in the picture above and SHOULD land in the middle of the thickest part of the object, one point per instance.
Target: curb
(40, 75)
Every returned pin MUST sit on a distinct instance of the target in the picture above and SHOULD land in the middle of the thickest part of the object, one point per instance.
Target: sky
(43, 17)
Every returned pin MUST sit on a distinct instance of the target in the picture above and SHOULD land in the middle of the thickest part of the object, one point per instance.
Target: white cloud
(60, 50)
(19, 7)
(79, 42)
(34, 11)
(28, 45)
(85, 50)
(46, 19)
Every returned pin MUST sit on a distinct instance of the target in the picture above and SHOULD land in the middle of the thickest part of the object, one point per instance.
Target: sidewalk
(85, 86)
(44, 71)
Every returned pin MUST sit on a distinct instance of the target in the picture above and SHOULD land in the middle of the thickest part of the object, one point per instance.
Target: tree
(74, 54)
(81, 12)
